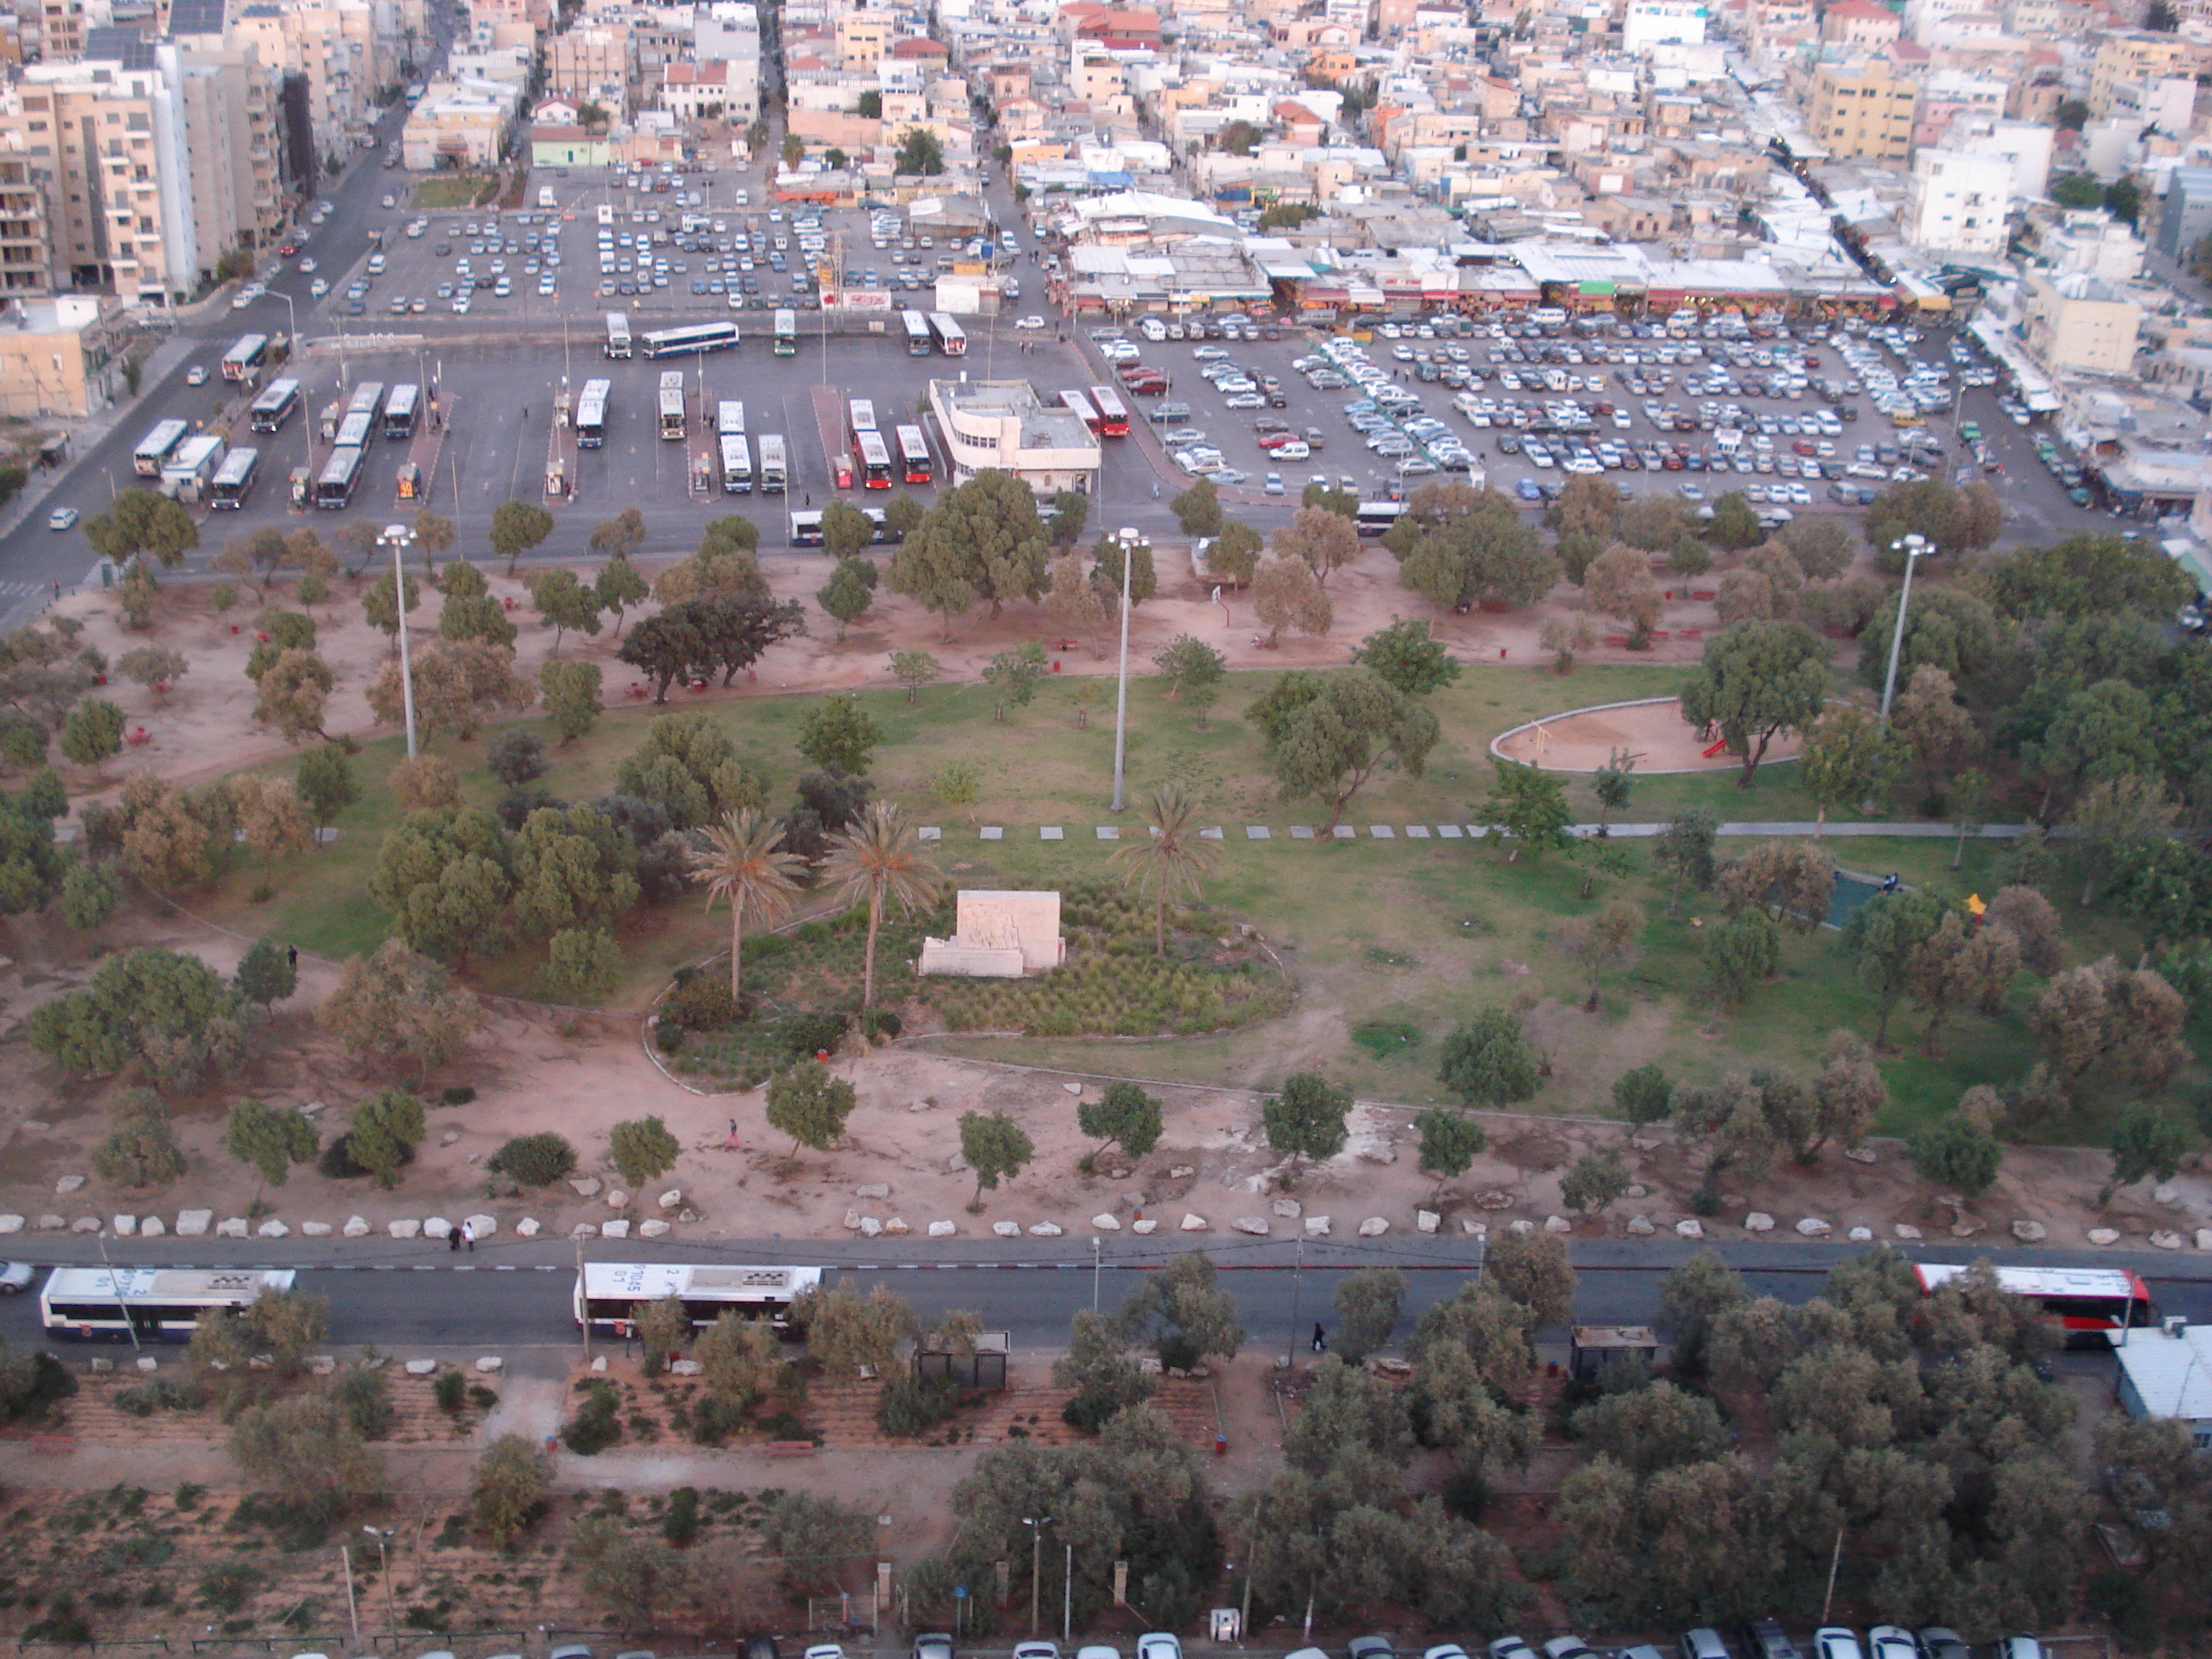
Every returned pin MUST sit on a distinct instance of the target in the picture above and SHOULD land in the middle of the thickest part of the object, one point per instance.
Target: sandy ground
(1654, 735)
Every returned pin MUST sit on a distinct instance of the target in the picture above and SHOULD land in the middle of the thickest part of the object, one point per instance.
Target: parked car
(1938, 1643)
(1510, 1647)
(1891, 1641)
(932, 1644)
(1704, 1642)
(1154, 1644)
(1835, 1642)
(62, 518)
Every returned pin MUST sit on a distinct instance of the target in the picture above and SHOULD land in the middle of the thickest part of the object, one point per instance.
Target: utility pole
(1129, 539)
(352, 1613)
(398, 535)
(1298, 1285)
(587, 1301)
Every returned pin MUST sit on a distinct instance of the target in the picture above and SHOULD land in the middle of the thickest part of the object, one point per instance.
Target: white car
(1891, 1641)
(62, 518)
(1029, 322)
(317, 288)
(196, 375)
(1159, 1644)
(307, 266)
(1835, 1642)
(391, 200)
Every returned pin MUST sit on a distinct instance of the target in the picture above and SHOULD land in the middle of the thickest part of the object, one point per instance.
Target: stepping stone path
(1108, 832)
(994, 832)
(1050, 832)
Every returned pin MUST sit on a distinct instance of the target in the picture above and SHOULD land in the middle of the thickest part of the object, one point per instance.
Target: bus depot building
(1004, 424)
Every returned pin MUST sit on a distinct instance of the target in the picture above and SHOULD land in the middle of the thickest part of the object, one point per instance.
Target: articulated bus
(617, 344)
(233, 479)
(729, 418)
(1079, 404)
(951, 339)
(150, 1305)
(860, 415)
(774, 480)
(2091, 1305)
(273, 407)
(155, 447)
(873, 456)
(917, 333)
(914, 464)
(400, 409)
(368, 398)
(614, 1295)
(356, 430)
(341, 474)
(1112, 413)
(699, 337)
(671, 405)
(736, 465)
(242, 359)
(592, 413)
(787, 334)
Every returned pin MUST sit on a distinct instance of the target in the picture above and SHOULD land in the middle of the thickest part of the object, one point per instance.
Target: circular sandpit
(1651, 729)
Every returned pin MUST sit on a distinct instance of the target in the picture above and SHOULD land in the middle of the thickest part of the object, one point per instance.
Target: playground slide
(1709, 753)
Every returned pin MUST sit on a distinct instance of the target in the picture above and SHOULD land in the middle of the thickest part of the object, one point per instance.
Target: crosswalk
(23, 590)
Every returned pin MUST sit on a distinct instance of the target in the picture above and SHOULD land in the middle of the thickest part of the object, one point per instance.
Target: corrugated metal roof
(2171, 1375)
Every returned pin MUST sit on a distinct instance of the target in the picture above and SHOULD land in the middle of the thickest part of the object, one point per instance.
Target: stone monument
(999, 935)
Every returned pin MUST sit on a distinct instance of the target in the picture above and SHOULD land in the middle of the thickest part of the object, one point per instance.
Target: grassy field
(1411, 931)
(455, 190)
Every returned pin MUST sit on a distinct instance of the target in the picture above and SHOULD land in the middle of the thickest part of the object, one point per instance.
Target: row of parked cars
(1764, 1639)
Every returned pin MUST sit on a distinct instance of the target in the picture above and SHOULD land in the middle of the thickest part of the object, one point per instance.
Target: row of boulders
(199, 1224)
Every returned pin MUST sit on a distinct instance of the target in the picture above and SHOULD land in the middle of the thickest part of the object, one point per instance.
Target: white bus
(729, 418)
(155, 448)
(185, 474)
(160, 1304)
(617, 344)
(592, 413)
(242, 359)
(774, 480)
(787, 334)
(671, 405)
(952, 340)
(917, 333)
(860, 415)
(341, 474)
(273, 407)
(613, 1295)
(368, 398)
(606, 213)
(698, 337)
(400, 409)
(736, 465)
(356, 430)
(233, 479)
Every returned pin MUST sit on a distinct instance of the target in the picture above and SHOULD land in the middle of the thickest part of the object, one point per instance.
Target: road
(514, 1293)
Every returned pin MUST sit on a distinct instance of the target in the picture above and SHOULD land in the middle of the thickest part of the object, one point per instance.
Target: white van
(376, 264)
(1153, 328)
(1548, 317)
(1295, 450)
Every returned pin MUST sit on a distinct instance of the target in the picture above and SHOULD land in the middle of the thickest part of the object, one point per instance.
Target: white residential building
(1957, 202)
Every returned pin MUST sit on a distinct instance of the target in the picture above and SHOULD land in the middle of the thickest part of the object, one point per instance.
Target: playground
(1652, 732)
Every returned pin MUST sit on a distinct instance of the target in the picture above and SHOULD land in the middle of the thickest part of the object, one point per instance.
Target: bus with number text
(787, 334)
(671, 405)
(951, 339)
(400, 409)
(617, 344)
(914, 464)
(368, 398)
(736, 465)
(356, 430)
(806, 527)
(613, 1296)
(2089, 1304)
(233, 479)
(729, 418)
(860, 415)
(917, 333)
(340, 476)
(592, 413)
(273, 407)
(698, 337)
(1112, 413)
(1079, 404)
(242, 359)
(773, 477)
(872, 456)
(148, 1304)
(155, 447)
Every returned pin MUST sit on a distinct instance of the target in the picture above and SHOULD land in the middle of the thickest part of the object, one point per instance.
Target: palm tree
(743, 862)
(878, 856)
(1173, 856)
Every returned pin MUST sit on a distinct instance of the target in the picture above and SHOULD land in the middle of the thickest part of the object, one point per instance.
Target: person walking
(1320, 1339)
(469, 1235)
(453, 1238)
(292, 957)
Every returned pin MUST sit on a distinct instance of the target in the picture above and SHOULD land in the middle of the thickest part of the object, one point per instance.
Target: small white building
(2166, 1373)
(1004, 424)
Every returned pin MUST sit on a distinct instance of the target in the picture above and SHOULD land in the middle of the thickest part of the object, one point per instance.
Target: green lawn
(1402, 931)
(456, 190)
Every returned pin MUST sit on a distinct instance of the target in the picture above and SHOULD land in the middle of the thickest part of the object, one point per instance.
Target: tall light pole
(1128, 538)
(397, 537)
(1036, 1557)
(1914, 547)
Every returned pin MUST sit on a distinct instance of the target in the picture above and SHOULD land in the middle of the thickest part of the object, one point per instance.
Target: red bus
(2090, 1303)
(1112, 413)
(914, 464)
(1078, 404)
(874, 457)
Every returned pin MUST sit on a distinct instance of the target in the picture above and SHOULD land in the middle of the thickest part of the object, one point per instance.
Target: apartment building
(2133, 55)
(1859, 26)
(2185, 220)
(58, 358)
(1650, 23)
(1864, 111)
(26, 255)
(2080, 322)
(582, 61)
(334, 46)
(863, 37)
(1956, 202)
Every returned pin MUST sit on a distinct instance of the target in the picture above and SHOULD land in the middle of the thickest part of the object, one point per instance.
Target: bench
(789, 1449)
(1689, 633)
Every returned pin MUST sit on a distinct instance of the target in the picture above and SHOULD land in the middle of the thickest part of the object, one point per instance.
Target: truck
(546, 198)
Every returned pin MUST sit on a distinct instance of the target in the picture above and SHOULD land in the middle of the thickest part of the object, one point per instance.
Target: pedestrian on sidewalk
(469, 1235)
(1320, 1339)
(453, 1238)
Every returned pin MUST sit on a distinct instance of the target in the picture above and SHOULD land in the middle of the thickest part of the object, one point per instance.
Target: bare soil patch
(1654, 734)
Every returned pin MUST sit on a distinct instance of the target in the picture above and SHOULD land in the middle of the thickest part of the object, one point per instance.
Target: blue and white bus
(233, 479)
(592, 413)
(400, 409)
(273, 407)
(696, 339)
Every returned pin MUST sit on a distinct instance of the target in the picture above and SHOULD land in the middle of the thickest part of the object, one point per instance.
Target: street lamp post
(1128, 538)
(397, 537)
(1914, 547)
(1036, 1558)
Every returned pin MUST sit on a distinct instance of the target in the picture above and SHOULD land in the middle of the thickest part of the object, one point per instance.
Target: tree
(621, 538)
(1173, 858)
(1685, 848)
(510, 1486)
(2147, 1141)
(447, 876)
(470, 612)
(2099, 1011)
(1739, 954)
(396, 1006)
(845, 530)
(688, 767)
(1108, 558)
(1883, 938)
(1488, 1061)
(1460, 547)
(434, 534)
(1232, 555)
(1823, 547)
(1286, 595)
(140, 1150)
(308, 1448)
(2028, 917)
(294, 695)
(1756, 679)
(913, 670)
(153, 666)
(142, 523)
(1369, 1303)
(879, 859)
(1652, 1429)
(1071, 510)
(1607, 941)
(1947, 627)
(425, 783)
(919, 153)
(849, 592)
(1734, 525)
(516, 528)
(1075, 601)
(641, 1149)
(570, 692)
(93, 732)
(378, 605)
(1450, 1141)
(2102, 730)
(1182, 1306)
(270, 819)
(169, 1012)
(618, 586)
(1618, 584)
(1848, 758)
(1321, 540)
(1565, 636)
(582, 964)
(458, 684)
(563, 602)
(725, 567)
(810, 1105)
(995, 1148)
(1407, 659)
(1198, 509)
(2094, 574)
(1123, 1116)
(267, 1139)
(1848, 1094)
(982, 541)
(1790, 881)
(1643, 1095)
(1930, 720)
(1611, 783)
(1955, 967)
(325, 780)
(1531, 1268)
(847, 1334)
(1952, 1153)
(743, 865)
(2116, 821)
(515, 757)
(90, 893)
(573, 867)
(1193, 669)
(1328, 738)
(382, 1133)
(838, 732)
(1527, 808)
(1308, 1119)
(1012, 676)
(1596, 1181)
(2123, 196)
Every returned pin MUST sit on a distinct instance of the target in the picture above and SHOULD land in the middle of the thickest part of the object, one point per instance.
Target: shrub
(535, 1160)
(1466, 1494)
(680, 1525)
(452, 1389)
(459, 1094)
(668, 1037)
(336, 1160)
(597, 1424)
(910, 1406)
(700, 1002)
(226, 1588)
(367, 1408)
(880, 1024)
(714, 1419)
(159, 1394)
(809, 1033)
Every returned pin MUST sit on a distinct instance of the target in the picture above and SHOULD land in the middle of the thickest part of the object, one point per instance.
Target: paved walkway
(1581, 831)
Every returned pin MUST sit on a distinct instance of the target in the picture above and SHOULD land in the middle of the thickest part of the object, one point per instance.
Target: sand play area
(1654, 735)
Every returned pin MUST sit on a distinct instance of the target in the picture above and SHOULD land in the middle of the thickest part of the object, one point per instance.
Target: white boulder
(314, 1230)
(436, 1226)
(673, 1198)
(1426, 1221)
(421, 1368)
(2164, 1240)
(1558, 1223)
(1813, 1227)
(404, 1229)
(1640, 1226)
(896, 1227)
(482, 1227)
(1007, 1229)
(1905, 1231)
(1047, 1229)
(85, 1224)
(355, 1227)
(655, 1228)
(272, 1228)
(865, 1189)
(231, 1227)
(1195, 1223)
(68, 1184)
(870, 1227)
(1374, 1227)
(1288, 1208)
(2104, 1234)
(1144, 1227)
(1317, 1226)
(2204, 1238)
(585, 1186)
(1758, 1222)
(1254, 1225)
(2030, 1232)
(489, 1363)
(617, 1229)
(152, 1227)
(1107, 1223)
(1860, 1235)
(528, 1227)
(125, 1226)
(616, 1198)
(942, 1229)
(1689, 1227)
(583, 1229)
(11, 1223)
(194, 1224)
